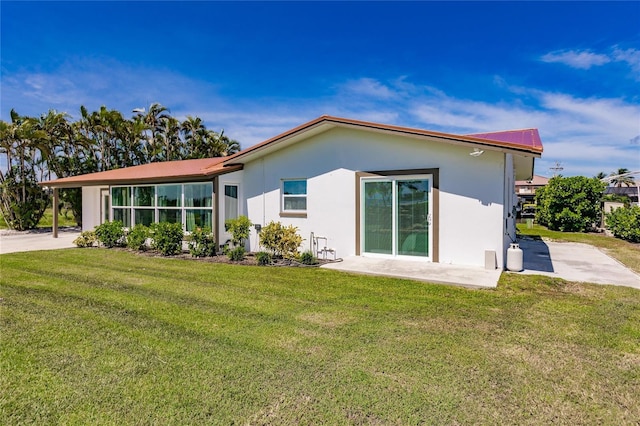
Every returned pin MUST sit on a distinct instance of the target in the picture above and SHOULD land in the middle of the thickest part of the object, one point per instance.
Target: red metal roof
(527, 137)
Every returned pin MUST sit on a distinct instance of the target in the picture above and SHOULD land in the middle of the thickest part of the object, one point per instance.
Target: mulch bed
(249, 259)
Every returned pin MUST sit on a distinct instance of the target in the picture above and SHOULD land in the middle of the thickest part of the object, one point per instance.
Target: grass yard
(47, 219)
(95, 336)
(625, 252)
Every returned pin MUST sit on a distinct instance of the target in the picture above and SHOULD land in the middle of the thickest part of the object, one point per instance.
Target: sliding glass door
(396, 216)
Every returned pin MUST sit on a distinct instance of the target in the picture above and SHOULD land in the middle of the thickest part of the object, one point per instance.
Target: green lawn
(96, 336)
(627, 253)
(47, 220)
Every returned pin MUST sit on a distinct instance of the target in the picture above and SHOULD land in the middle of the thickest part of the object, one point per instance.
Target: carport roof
(168, 171)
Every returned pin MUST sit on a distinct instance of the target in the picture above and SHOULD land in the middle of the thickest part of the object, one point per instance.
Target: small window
(294, 195)
(230, 202)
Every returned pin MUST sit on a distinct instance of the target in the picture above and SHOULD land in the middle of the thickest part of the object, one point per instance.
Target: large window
(190, 204)
(198, 202)
(294, 195)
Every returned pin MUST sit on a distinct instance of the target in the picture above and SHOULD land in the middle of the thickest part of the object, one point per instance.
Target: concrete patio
(466, 276)
(568, 261)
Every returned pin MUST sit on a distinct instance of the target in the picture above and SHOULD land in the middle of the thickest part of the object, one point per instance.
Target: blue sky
(570, 69)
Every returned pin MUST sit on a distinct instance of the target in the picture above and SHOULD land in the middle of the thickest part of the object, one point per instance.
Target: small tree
(569, 204)
(239, 229)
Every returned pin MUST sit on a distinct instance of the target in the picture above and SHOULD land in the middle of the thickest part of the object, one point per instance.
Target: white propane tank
(514, 258)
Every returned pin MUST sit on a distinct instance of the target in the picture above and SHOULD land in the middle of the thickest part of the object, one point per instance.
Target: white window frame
(156, 208)
(283, 196)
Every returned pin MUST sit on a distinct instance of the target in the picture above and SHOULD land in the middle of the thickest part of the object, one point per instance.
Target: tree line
(53, 145)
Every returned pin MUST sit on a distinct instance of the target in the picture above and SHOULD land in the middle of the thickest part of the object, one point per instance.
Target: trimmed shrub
(167, 238)
(202, 243)
(263, 258)
(85, 239)
(239, 229)
(110, 234)
(236, 254)
(308, 258)
(624, 222)
(282, 241)
(137, 237)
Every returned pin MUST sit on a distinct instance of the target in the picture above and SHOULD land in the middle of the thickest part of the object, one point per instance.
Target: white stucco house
(370, 189)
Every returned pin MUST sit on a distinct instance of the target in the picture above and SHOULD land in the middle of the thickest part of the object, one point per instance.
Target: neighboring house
(631, 192)
(526, 189)
(526, 192)
(370, 189)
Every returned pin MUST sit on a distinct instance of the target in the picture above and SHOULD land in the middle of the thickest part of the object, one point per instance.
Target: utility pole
(557, 168)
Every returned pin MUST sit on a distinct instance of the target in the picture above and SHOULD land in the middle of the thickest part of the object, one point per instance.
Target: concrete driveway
(38, 239)
(575, 262)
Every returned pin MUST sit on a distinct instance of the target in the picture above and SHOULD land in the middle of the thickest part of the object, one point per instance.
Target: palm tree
(600, 175)
(22, 201)
(106, 128)
(154, 120)
(172, 146)
(195, 136)
(622, 177)
(231, 146)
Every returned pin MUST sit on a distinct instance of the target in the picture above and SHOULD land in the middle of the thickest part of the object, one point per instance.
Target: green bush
(569, 204)
(281, 241)
(137, 237)
(167, 238)
(308, 258)
(236, 254)
(239, 229)
(263, 258)
(624, 222)
(85, 239)
(110, 234)
(202, 243)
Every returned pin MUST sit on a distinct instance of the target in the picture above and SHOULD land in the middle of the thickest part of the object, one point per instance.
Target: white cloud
(631, 57)
(586, 135)
(581, 59)
(368, 87)
(586, 59)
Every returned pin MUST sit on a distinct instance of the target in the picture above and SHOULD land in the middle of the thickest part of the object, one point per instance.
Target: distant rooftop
(536, 181)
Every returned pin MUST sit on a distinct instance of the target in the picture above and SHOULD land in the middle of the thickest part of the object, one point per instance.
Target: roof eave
(326, 122)
(61, 183)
